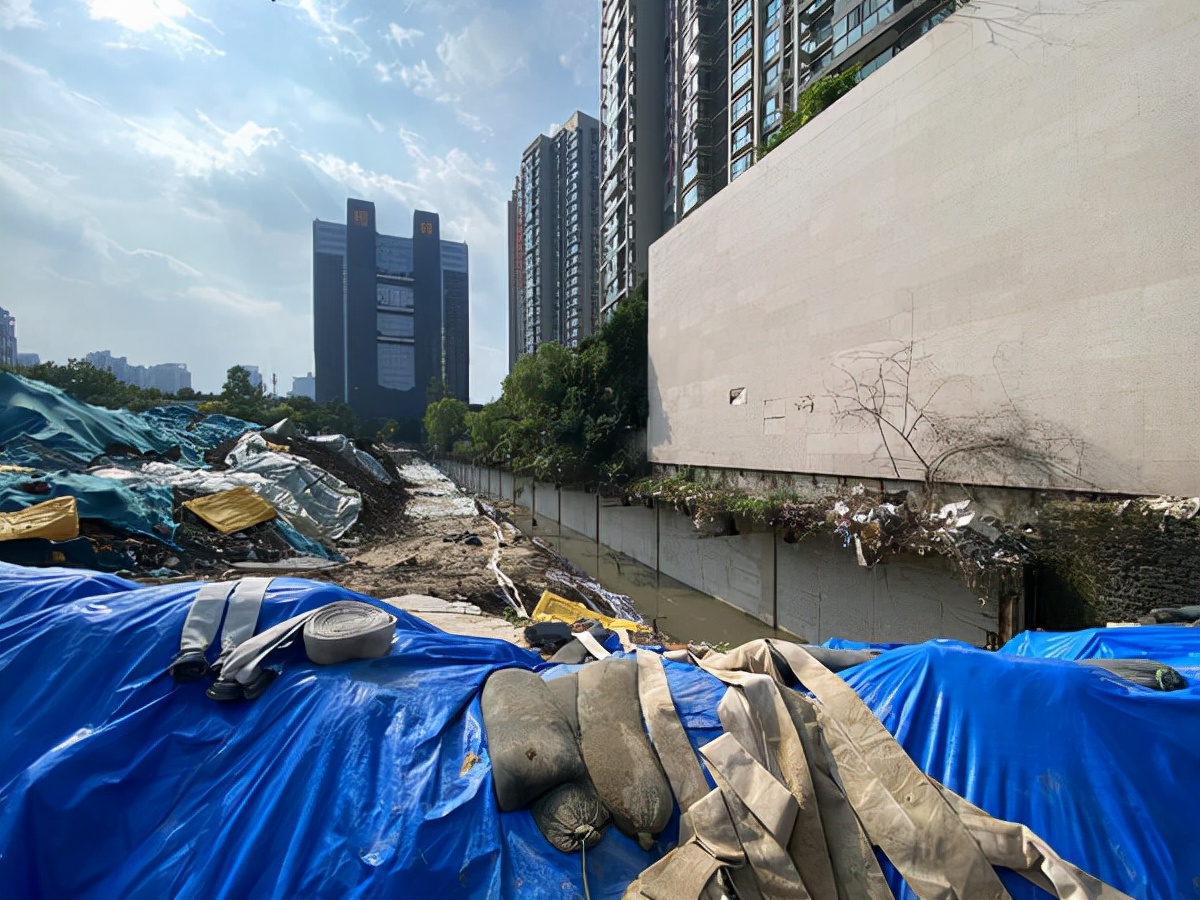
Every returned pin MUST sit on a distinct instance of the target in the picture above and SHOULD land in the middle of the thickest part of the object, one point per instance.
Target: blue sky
(161, 161)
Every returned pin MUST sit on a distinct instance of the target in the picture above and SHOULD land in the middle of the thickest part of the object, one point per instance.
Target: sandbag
(565, 692)
(531, 744)
(1143, 672)
(620, 760)
(573, 652)
(571, 816)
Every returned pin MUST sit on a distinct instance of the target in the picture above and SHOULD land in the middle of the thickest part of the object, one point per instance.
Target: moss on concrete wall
(1113, 561)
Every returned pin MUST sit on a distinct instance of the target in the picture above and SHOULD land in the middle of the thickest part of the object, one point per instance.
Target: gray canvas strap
(204, 616)
(244, 606)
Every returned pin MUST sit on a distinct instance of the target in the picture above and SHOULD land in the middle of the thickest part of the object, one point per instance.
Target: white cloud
(400, 36)
(158, 19)
(232, 301)
(473, 122)
(18, 14)
(376, 124)
(324, 16)
(486, 52)
(194, 152)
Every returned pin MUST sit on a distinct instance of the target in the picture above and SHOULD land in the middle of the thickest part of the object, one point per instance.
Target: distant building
(516, 276)
(8, 338)
(390, 314)
(304, 386)
(255, 376)
(170, 378)
(28, 359)
(555, 285)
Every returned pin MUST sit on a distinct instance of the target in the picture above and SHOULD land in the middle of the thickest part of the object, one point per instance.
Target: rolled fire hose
(335, 633)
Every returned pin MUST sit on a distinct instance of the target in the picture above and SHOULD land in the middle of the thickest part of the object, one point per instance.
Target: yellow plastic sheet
(54, 520)
(553, 608)
(233, 510)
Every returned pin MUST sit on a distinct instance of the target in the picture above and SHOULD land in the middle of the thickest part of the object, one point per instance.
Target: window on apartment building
(771, 44)
(741, 16)
(741, 74)
(690, 197)
(740, 165)
(690, 171)
(741, 46)
(771, 75)
(741, 137)
(741, 106)
(772, 114)
(878, 61)
(773, 12)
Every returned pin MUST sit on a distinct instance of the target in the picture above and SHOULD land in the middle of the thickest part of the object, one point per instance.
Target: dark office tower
(380, 314)
(456, 306)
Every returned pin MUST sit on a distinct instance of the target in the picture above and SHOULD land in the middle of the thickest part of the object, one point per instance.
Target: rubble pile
(173, 491)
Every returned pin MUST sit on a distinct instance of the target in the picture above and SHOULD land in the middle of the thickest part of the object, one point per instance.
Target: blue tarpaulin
(141, 507)
(372, 778)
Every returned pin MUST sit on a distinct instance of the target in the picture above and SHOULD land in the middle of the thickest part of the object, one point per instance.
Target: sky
(161, 161)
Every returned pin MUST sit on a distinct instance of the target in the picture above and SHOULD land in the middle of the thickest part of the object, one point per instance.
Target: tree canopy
(571, 414)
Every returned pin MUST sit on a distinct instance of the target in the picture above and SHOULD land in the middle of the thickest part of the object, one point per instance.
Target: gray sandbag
(1143, 672)
(620, 760)
(565, 691)
(571, 816)
(530, 742)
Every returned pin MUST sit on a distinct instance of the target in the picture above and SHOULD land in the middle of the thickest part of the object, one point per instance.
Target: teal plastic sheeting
(45, 428)
(141, 507)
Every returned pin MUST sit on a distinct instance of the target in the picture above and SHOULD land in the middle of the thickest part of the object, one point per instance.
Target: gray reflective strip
(244, 605)
(204, 617)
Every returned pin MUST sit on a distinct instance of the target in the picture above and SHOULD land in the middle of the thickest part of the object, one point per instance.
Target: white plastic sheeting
(338, 443)
(432, 495)
(342, 445)
(311, 500)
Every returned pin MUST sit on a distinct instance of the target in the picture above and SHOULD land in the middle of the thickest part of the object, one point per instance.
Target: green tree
(436, 390)
(445, 423)
(813, 100)
(240, 397)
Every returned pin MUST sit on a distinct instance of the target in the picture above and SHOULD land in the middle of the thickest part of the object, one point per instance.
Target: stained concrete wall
(822, 593)
(738, 569)
(506, 485)
(578, 512)
(1016, 196)
(545, 501)
(815, 589)
(632, 530)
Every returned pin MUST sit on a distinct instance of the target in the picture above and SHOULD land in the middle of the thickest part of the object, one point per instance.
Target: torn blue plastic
(372, 778)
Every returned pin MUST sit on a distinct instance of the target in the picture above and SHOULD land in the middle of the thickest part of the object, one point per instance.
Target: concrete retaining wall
(632, 530)
(814, 589)
(545, 501)
(578, 512)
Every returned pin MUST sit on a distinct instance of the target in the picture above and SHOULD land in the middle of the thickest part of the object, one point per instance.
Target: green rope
(584, 832)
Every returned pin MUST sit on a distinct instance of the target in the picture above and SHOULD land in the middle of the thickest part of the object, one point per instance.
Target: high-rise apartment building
(8, 338)
(390, 314)
(690, 89)
(554, 255)
(777, 49)
(697, 105)
(634, 70)
(516, 276)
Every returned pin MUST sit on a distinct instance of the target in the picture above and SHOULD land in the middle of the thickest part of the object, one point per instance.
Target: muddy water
(683, 613)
